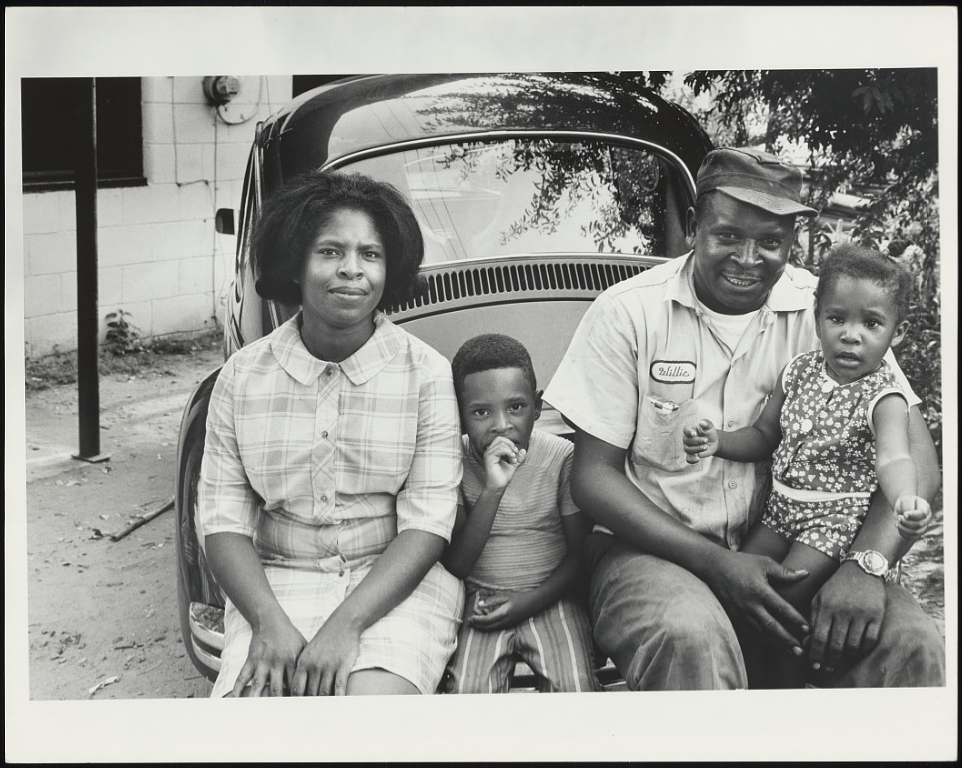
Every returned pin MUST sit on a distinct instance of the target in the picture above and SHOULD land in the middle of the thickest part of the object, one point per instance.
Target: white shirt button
(731, 422)
(732, 484)
(324, 434)
(324, 497)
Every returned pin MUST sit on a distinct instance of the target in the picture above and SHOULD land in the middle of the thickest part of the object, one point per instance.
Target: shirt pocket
(658, 439)
(375, 454)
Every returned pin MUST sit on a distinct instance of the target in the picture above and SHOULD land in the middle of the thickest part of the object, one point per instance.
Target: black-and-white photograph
(478, 370)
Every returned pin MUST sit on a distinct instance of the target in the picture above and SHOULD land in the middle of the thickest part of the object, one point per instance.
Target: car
(534, 191)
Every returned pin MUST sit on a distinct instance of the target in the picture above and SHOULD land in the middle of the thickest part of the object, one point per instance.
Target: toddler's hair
(861, 263)
(489, 351)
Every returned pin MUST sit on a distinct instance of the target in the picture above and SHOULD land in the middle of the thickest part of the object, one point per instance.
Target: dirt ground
(103, 613)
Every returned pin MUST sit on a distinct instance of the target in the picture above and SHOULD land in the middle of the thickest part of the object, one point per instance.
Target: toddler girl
(837, 424)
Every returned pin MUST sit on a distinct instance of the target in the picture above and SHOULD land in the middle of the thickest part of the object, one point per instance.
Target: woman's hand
(272, 657)
(326, 661)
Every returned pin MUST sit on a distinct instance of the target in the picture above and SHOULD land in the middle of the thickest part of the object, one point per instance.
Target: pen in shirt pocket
(665, 405)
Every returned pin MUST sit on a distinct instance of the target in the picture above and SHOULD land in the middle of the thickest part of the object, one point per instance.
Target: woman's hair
(861, 263)
(489, 351)
(293, 216)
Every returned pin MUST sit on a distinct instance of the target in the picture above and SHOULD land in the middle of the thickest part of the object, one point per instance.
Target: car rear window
(479, 200)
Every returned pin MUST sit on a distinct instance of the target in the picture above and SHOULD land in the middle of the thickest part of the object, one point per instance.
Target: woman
(332, 461)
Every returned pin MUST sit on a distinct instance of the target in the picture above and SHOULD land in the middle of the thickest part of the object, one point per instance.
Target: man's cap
(754, 177)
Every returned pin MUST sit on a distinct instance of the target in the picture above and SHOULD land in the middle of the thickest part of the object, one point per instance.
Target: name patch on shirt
(673, 371)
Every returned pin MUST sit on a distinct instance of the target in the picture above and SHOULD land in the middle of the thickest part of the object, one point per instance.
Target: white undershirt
(728, 327)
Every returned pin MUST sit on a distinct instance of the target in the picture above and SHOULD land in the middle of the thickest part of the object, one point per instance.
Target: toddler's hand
(700, 440)
(501, 459)
(913, 515)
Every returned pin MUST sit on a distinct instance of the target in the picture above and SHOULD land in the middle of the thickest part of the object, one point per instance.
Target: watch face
(875, 563)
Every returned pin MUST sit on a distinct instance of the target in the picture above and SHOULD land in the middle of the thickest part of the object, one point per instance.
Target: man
(705, 336)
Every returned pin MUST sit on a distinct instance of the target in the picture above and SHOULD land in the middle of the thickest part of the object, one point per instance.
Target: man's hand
(743, 584)
(501, 459)
(847, 616)
(700, 440)
(272, 657)
(913, 515)
(498, 610)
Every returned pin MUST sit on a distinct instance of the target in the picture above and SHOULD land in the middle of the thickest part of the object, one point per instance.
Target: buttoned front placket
(737, 412)
(323, 474)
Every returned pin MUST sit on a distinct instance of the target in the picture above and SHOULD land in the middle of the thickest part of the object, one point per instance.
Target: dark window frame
(48, 107)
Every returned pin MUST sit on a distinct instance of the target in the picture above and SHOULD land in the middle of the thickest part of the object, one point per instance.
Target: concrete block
(46, 334)
(151, 204)
(182, 240)
(196, 275)
(183, 313)
(159, 164)
(189, 90)
(47, 254)
(42, 296)
(110, 285)
(68, 211)
(68, 291)
(197, 201)
(110, 207)
(277, 92)
(157, 89)
(190, 163)
(158, 123)
(143, 282)
(210, 154)
(41, 212)
(194, 123)
(232, 161)
(119, 246)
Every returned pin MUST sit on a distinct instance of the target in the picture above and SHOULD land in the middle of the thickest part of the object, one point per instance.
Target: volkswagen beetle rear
(534, 192)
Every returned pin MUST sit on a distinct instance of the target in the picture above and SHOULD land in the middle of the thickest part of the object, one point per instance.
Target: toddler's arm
(896, 471)
(754, 443)
(471, 532)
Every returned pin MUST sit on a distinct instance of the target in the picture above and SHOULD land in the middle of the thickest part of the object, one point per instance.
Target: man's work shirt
(646, 361)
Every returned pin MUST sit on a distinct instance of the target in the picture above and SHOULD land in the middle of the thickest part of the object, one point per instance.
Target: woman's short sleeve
(226, 503)
(428, 500)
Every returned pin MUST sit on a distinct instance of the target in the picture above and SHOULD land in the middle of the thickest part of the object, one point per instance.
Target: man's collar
(362, 366)
(792, 292)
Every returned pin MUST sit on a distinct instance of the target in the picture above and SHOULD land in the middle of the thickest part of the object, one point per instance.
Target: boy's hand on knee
(913, 516)
(700, 440)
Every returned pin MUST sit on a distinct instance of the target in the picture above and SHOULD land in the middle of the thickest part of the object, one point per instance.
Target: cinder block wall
(159, 257)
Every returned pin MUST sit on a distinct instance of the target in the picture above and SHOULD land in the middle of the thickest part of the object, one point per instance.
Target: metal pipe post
(85, 191)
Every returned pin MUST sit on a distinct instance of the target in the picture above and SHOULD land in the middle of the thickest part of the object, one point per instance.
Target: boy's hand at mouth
(501, 459)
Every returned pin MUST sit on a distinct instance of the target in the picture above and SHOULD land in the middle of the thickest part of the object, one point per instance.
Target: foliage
(122, 338)
(870, 132)
(61, 367)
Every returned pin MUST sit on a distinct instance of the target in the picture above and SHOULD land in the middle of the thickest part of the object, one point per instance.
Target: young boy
(518, 539)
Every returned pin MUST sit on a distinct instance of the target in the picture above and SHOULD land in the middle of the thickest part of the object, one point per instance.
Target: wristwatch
(870, 561)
